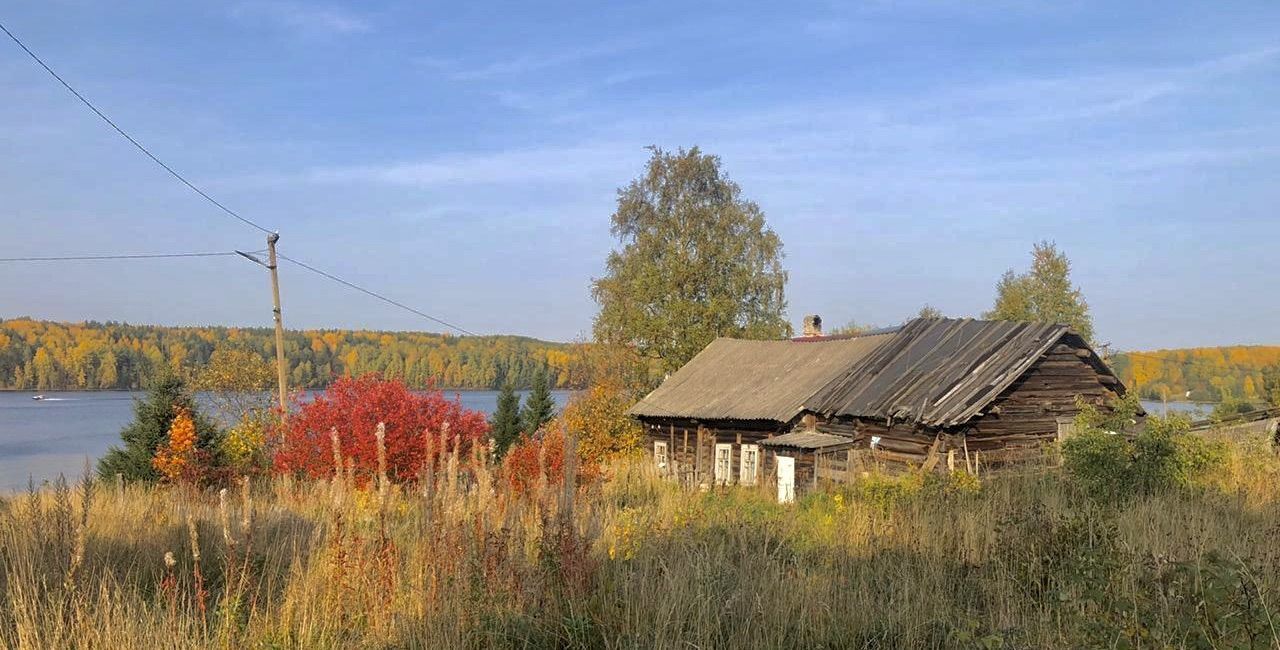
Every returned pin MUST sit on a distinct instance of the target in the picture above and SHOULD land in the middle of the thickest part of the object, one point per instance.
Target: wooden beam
(931, 460)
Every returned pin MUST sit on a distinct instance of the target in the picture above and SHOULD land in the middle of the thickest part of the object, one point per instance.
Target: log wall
(1015, 428)
(1027, 414)
(691, 447)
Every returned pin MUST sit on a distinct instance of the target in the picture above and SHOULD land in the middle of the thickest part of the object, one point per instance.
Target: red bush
(355, 406)
(521, 466)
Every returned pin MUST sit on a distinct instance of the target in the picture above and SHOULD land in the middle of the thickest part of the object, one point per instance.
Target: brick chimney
(812, 326)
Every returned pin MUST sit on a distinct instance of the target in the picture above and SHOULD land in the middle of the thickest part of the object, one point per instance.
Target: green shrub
(152, 418)
(1110, 463)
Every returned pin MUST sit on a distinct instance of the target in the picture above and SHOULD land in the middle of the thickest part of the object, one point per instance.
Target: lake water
(41, 439)
(1192, 409)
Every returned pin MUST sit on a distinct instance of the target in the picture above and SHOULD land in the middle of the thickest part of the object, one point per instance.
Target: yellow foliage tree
(598, 417)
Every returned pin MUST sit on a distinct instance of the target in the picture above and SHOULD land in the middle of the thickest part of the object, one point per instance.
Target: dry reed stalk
(246, 507)
(81, 531)
(484, 484)
(451, 469)
(169, 584)
(200, 594)
(224, 518)
(540, 482)
(62, 515)
(336, 490)
(426, 472)
(570, 487)
(380, 439)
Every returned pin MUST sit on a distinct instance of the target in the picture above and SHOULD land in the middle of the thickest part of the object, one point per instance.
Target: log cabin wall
(691, 446)
(1028, 412)
(1023, 419)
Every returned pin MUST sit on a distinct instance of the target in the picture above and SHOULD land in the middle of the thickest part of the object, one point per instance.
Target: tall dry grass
(460, 560)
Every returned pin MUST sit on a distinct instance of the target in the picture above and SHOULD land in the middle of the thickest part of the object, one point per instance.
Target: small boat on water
(37, 397)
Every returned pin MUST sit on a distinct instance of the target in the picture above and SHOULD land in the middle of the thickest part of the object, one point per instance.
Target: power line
(128, 137)
(204, 195)
(376, 295)
(140, 256)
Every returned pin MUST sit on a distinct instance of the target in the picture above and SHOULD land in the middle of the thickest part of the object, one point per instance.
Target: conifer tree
(152, 418)
(505, 423)
(540, 407)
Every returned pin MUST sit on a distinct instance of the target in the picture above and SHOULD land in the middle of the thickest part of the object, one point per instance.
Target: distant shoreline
(143, 390)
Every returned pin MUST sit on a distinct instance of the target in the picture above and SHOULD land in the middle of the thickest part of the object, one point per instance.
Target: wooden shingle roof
(939, 371)
(734, 379)
(936, 372)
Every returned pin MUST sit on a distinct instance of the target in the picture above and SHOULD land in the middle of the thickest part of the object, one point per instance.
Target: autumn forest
(44, 355)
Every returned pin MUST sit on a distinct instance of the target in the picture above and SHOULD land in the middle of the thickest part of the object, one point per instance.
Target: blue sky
(464, 159)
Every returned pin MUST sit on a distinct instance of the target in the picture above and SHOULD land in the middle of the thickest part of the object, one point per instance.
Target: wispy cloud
(1018, 147)
(303, 17)
(568, 164)
(462, 70)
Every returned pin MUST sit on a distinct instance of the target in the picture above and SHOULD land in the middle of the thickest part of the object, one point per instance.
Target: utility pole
(281, 377)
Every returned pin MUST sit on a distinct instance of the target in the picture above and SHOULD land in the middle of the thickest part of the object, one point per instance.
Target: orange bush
(543, 456)
(178, 459)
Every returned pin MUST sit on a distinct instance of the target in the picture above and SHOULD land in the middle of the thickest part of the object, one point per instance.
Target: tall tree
(152, 419)
(540, 407)
(697, 262)
(504, 425)
(1044, 293)
(929, 311)
(1271, 384)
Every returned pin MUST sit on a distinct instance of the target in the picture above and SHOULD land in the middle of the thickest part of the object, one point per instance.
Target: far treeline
(44, 355)
(1249, 373)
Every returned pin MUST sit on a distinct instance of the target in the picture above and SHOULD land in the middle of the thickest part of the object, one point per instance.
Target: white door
(749, 464)
(786, 478)
(724, 462)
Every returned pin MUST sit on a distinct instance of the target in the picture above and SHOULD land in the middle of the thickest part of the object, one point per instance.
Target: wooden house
(705, 423)
(933, 393)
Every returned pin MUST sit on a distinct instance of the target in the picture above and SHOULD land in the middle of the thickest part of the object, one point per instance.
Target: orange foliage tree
(178, 460)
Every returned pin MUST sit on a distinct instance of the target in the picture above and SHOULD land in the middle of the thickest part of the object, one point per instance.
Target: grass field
(633, 562)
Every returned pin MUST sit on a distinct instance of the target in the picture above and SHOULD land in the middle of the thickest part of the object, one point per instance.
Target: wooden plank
(931, 459)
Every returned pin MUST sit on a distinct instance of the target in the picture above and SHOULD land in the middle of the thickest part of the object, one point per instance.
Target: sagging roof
(939, 371)
(807, 440)
(734, 379)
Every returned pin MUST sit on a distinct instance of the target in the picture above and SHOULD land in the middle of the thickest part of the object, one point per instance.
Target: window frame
(745, 477)
(661, 455)
(728, 463)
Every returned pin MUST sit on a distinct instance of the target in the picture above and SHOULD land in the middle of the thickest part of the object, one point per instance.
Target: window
(660, 455)
(724, 463)
(749, 465)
